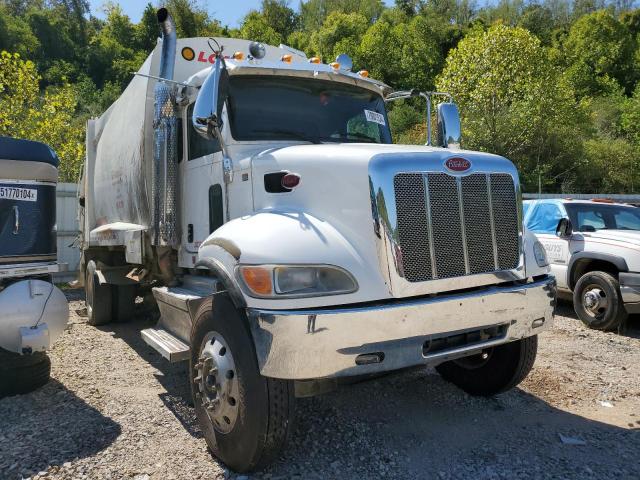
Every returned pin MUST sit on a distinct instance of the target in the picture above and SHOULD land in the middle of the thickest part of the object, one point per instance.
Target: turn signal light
(257, 279)
(286, 58)
(238, 56)
(314, 60)
(335, 65)
(364, 73)
(290, 180)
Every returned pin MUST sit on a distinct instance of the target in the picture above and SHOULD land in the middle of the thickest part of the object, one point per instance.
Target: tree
(147, 31)
(313, 13)
(340, 33)
(279, 16)
(48, 118)
(513, 101)
(599, 54)
(255, 27)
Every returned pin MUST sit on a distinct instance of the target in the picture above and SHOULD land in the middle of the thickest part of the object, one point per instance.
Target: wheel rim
(475, 361)
(216, 381)
(595, 301)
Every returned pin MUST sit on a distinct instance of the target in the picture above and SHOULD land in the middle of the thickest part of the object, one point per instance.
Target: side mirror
(207, 111)
(564, 228)
(449, 125)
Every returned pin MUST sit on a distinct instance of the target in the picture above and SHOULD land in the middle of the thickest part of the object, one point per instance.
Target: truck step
(170, 347)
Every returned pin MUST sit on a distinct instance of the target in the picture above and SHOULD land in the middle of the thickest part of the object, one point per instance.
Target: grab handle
(16, 220)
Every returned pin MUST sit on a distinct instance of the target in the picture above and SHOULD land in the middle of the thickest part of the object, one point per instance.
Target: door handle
(16, 220)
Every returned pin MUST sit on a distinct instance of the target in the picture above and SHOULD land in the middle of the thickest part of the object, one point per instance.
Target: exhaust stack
(164, 190)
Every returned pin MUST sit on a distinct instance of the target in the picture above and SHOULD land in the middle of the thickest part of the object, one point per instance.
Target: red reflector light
(290, 180)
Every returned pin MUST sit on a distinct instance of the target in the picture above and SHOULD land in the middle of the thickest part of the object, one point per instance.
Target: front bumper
(630, 291)
(337, 342)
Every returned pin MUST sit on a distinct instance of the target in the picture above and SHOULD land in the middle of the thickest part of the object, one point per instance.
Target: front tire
(245, 417)
(597, 301)
(23, 373)
(493, 371)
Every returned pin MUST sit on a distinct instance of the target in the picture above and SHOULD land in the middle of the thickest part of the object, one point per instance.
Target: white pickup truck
(594, 250)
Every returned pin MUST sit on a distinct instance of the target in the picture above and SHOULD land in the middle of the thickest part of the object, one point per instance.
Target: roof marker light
(286, 58)
(364, 73)
(238, 56)
(335, 65)
(314, 60)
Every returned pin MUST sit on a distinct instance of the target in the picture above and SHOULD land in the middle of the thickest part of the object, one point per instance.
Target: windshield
(588, 217)
(289, 108)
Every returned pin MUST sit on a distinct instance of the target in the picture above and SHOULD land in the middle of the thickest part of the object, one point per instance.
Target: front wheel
(597, 301)
(494, 370)
(245, 417)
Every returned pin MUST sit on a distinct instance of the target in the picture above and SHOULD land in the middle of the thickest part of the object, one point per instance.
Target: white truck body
(408, 254)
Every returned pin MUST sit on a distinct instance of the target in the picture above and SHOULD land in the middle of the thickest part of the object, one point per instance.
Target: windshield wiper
(296, 135)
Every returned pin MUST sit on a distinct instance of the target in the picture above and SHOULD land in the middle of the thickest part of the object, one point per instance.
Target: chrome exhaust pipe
(164, 190)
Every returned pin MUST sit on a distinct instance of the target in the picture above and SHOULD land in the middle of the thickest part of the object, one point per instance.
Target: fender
(619, 262)
(290, 237)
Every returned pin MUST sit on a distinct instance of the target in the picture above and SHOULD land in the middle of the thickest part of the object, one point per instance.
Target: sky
(229, 12)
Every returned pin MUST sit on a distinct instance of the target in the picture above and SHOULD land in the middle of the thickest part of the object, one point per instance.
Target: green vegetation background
(550, 84)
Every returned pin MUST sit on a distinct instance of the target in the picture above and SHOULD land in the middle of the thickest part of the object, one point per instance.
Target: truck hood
(625, 236)
(350, 187)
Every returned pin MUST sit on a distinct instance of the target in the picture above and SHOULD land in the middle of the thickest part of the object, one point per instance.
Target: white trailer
(288, 243)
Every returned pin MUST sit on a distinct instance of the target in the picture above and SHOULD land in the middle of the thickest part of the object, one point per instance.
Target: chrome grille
(411, 207)
(453, 226)
(505, 217)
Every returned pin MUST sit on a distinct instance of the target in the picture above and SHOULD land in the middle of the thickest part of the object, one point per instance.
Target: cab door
(202, 190)
(543, 221)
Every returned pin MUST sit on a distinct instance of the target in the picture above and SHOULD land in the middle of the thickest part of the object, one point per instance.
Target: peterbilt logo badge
(457, 164)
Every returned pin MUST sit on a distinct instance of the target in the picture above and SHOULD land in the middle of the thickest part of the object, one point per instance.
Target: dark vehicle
(34, 311)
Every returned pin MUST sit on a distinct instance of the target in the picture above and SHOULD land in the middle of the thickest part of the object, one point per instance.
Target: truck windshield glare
(288, 108)
(589, 217)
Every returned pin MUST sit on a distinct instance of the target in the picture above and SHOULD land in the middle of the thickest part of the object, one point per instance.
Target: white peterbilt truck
(288, 243)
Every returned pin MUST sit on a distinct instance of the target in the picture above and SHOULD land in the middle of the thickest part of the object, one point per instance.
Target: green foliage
(25, 113)
(340, 33)
(255, 27)
(550, 84)
(599, 54)
(513, 101)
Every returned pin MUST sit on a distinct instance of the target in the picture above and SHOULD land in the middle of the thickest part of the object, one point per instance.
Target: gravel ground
(115, 409)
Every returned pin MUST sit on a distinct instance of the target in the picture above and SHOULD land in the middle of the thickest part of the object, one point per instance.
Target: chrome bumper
(338, 342)
(630, 291)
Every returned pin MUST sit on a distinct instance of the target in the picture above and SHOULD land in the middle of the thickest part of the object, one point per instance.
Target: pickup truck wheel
(97, 297)
(245, 417)
(22, 373)
(493, 371)
(597, 301)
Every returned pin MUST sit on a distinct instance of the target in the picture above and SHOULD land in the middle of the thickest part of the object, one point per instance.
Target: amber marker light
(286, 58)
(314, 60)
(257, 279)
(335, 65)
(238, 56)
(364, 73)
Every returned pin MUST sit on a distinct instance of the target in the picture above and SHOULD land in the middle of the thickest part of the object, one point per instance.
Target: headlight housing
(291, 281)
(540, 254)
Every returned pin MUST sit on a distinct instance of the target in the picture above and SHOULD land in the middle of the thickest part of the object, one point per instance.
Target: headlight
(540, 254)
(276, 281)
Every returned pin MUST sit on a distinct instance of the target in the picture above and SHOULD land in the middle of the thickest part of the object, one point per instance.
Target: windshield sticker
(374, 117)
